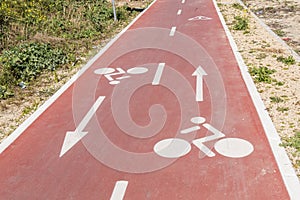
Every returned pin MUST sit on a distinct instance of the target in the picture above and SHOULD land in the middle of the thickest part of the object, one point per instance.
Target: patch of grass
(240, 23)
(279, 32)
(286, 60)
(238, 6)
(261, 56)
(282, 109)
(276, 99)
(261, 74)
(293, 141)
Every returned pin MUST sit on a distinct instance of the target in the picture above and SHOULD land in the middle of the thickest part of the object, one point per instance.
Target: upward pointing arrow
(72, 137)
(199, 72)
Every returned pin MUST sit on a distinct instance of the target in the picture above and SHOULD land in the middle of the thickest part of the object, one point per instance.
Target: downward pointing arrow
(72, 137)
(199, 72)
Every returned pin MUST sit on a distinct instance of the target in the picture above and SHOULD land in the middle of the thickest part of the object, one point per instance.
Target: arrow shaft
(90, 114)
(199, 88)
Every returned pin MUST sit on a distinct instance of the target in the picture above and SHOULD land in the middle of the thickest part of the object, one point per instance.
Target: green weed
(276, 99)
(237, 6)
(240, 23)
(286, 60)
(261, 74)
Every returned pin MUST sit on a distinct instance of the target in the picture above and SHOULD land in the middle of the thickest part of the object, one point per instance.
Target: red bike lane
(162, 113)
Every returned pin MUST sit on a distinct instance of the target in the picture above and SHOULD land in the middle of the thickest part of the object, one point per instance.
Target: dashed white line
(179, 12)
(172, 32)
(119, 190)
(158, 74)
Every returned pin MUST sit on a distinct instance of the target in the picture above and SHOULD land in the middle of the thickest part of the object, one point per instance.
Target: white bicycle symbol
(229, 147)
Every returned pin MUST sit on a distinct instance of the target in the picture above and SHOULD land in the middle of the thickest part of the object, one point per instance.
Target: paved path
(162, 113)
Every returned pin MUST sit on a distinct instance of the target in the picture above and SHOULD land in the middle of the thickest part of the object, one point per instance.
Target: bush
(25, 62)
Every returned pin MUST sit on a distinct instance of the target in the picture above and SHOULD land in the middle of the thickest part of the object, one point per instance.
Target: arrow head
(199, 72)
(71, 138)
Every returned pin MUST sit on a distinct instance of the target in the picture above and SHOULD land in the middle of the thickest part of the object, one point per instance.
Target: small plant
(240, 23)
(261, 74)
(237, 6)
(261, 56)
(282, 109)
(276, 99)
(293, 141)
(279, 32)
(288, 60)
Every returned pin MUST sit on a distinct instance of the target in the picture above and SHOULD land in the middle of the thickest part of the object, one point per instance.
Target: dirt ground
(257, 46)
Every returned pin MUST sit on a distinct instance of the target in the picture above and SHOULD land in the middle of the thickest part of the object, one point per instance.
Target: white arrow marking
(199, 72)
(72, 137)
(119, 190)
(199, 142)
(199, 18)
(158, 74)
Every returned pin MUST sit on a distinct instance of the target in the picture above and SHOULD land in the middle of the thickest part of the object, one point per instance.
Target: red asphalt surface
(32, 169)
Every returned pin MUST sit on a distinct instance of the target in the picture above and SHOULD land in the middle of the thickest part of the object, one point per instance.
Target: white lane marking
(172, 32)
(199, 142)
(234, 147)
(158, 74)
(72, 137)
(183, 1)
(179, 12)
(199, 73)
(172, 148)
(119, 190)
(189, 130)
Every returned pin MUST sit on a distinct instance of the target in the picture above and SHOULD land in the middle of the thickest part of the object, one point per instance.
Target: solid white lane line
(158, 74)
(172, 32)
(119, 190)
(179, 12)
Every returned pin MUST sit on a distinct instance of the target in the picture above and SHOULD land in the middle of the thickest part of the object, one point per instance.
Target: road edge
(286, 169)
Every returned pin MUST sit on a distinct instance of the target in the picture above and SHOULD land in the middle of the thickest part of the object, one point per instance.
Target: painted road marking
(189, 130)
(198, 120)
(119, 190)
(203, 18)
(172, 148)
(179, 12)
(158, 74)
(234, 147)
(72, 137)
(109, 76)
(183, 1)
(199, 72)
(137, 70)
(199, 142)
(172, 32)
